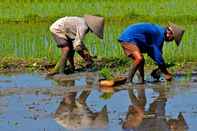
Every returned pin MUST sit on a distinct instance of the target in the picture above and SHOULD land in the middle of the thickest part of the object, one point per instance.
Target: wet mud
(30, 101)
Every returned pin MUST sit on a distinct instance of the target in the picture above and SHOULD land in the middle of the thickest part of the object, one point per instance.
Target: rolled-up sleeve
(156, 54)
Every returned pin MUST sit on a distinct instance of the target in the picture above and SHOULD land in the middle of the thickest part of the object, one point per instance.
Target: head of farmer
(148, 38)
(69, 32)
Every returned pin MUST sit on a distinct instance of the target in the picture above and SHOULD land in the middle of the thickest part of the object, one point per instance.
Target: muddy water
(32, 102)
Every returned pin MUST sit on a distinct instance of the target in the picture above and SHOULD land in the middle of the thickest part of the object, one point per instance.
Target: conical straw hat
(96, 24)
(177, 32)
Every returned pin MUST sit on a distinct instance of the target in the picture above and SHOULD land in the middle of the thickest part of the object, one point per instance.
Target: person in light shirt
(69, 32)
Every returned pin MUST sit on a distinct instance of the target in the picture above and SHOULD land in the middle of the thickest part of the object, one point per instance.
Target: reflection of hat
(177, 32)
(96, 24)
(80, 116)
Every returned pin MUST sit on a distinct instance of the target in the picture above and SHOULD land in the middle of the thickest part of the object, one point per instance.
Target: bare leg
(138, 60)
(64, 57)
(131, 73)
(59, 67)
(65, 47)
(141, 71)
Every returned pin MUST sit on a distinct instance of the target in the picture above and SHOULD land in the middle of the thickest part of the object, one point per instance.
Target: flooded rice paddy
(29, 101)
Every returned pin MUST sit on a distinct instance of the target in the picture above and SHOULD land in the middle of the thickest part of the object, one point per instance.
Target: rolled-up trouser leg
(132, 51)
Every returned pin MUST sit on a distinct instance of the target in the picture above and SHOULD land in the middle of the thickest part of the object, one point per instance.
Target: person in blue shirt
(148, 38)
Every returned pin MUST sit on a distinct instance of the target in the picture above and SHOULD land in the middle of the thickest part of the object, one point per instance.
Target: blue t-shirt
(148, 37)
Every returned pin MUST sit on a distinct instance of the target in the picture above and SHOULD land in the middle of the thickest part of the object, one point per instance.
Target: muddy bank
(16, 65)
(115, 65)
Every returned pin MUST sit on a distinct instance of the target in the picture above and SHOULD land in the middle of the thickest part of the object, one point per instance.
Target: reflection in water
(150, 107)
(154, 119)
(73, 112)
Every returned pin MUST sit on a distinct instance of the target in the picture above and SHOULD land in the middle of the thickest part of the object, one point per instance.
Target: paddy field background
(24, 28)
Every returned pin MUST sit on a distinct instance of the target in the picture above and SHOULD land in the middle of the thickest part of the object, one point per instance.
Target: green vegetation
(106, 73)
(157, 10)
(25, 34)
(106, 96)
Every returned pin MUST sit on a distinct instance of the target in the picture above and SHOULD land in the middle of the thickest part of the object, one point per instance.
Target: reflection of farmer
(148, 38)
(154, 119)
(135, 113)
(74, 113)
(69, 32)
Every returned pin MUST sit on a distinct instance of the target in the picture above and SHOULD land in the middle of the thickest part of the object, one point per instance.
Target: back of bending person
(68, 32)
(148, 38)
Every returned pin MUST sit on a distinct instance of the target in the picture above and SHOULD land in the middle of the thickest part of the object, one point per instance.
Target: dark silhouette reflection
(73, 112)
(154, 119)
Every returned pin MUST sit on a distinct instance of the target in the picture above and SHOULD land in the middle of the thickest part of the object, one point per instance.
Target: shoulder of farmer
(81, 23)
(131, 30)
(144, 26)
(139, 28)
(81, 30)
(58, 23)
(154, 29)
(81, 27)
(67, 21)
(137, 31)
(157, 32)
(77, 24)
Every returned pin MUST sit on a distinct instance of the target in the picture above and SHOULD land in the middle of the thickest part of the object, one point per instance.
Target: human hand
(77, 45)
(78, 48)
(168, 76)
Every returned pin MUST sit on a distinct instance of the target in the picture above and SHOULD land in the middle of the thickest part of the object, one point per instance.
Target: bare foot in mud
(66, 72)
(141, 82)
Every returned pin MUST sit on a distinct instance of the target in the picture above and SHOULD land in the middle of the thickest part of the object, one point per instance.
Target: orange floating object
(114, 82)
(107, 83)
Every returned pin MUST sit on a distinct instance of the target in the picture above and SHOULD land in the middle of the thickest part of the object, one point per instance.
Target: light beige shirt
(73, 27)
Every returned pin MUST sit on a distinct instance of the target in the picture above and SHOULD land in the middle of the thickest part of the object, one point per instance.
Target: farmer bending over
(148, 38)
(68, 33)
